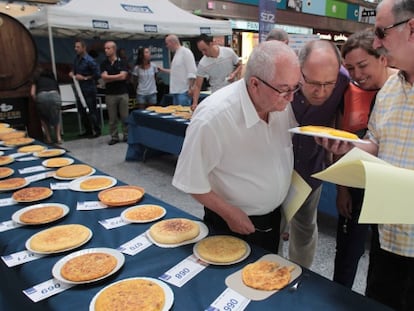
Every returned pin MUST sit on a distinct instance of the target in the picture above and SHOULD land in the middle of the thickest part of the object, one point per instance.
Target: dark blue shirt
(115, 87)
(86, 66)
(310, 157)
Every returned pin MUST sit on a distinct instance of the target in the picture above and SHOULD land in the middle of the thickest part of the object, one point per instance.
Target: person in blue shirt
(86, 71)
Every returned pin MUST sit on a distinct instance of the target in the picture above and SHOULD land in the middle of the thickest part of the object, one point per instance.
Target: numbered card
(8, 225)
(32, 169)
(136, 245)
(7, 202)
(59, 185)
(27, 159)
(90, 205)
(229, 300)
(17, 154)
(114, 222)
(46, 289)
(184, 271)
(20, 258)
(36, 177)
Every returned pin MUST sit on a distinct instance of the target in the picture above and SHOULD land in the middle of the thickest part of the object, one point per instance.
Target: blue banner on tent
(267, 17)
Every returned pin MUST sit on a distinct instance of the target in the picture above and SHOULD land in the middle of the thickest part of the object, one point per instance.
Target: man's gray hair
(402, 9)
(173, 38)
(264, 58)
(277, 34)
(317, 44)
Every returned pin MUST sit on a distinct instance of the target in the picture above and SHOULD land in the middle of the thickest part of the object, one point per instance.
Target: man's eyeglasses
(316, 84)
(381, 32)
(282, 93)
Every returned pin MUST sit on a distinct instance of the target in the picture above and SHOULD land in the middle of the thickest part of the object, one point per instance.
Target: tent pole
(52, 51)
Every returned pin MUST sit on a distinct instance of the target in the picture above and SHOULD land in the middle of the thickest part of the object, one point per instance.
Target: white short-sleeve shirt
(217, 69)
(183, 67)
(146, 79)
(230, 150)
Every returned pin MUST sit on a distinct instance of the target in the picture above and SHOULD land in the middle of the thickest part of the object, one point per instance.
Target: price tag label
(27, 159)
(46, 289)
(32, 169)
(90, 205)
(17, 154)
(7, 202)
(111, 223)
(136, 245)
(19, 258)
(229, 300)
(36, 177)
(184, 271)
(8, 225)
(59, 185)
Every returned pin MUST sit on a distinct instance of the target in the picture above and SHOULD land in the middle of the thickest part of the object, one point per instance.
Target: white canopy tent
(119, 19)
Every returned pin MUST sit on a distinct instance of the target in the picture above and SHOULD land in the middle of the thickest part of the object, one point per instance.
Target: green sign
(336, 9)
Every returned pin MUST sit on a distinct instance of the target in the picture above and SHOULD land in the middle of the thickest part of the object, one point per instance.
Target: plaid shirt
(392, 126)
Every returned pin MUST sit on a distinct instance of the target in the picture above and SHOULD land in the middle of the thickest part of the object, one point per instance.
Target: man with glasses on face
(237, 157)
(391, 135)
(323, 85)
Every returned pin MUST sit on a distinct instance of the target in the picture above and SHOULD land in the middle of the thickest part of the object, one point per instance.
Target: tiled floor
(155, 176)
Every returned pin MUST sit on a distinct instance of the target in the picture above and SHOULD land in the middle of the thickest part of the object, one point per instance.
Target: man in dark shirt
(86, 71)
(323, 85)
(115, 74)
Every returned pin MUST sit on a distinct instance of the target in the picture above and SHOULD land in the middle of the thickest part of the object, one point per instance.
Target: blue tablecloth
(315, 292)
(150, 131)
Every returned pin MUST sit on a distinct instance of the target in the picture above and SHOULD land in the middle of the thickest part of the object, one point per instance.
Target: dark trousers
(350, 242)
(89, 121)
(267, 229)
(390, 277)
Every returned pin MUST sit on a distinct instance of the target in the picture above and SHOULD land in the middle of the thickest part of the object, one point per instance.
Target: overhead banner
(267, 17)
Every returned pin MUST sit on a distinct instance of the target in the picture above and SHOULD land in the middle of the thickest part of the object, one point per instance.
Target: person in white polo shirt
(182, 71)
(220, 66)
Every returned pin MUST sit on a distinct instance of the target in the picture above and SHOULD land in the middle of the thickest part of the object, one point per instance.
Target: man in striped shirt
(391, 133)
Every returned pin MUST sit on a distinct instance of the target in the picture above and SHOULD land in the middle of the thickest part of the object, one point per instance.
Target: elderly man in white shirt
(182, 71)
(237, 157)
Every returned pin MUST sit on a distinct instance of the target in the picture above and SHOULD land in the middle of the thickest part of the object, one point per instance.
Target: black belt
(262, 223)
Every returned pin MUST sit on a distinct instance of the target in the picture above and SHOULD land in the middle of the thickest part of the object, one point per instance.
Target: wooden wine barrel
(19, 61)
(19, 54)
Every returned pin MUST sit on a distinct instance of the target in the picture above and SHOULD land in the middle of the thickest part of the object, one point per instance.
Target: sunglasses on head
(381, 32)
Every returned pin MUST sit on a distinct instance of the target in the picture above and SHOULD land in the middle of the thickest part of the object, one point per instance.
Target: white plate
(61, 151)
(120, 259)
(169, 295)
(297, 130)
(16, 188)
(235, 282)
(1, 153)
(16, 216)
(59, 251)
(75, 184)
(203, 233)
(248, 250)
(70, 161)
(72, 178)
(124, 218)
